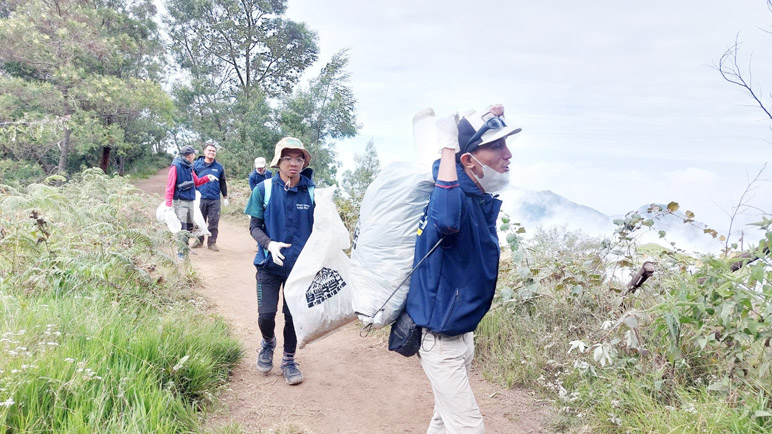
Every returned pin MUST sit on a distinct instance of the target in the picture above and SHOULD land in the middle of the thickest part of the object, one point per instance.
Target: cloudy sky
(620, 102)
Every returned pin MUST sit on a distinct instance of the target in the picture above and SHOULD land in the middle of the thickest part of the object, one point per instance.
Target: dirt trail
(352, 384)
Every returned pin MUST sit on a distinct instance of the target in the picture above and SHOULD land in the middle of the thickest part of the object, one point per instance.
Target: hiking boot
(214, 248)
(265, 357)
(196, 244)
(291, 373)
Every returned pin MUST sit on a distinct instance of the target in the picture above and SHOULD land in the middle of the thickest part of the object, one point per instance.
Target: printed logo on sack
(326, 283)
(356, 237)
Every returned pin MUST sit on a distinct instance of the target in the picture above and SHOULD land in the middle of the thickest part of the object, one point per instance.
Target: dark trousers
(210, 209)
(268, 286)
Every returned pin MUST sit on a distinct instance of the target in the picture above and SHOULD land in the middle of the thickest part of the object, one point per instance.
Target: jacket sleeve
(254, 206)
(446, 206)
(252, 180)
(258, 234)
(223, 184)
(199, 181)
(171, 180)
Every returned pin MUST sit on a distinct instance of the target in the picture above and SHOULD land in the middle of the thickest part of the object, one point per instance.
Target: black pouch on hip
(405, 335)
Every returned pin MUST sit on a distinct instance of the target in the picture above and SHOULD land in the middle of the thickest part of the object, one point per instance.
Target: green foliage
(86, 71)
(355, 182)
(693, 339)
(98, 332)
(320, 113)
(18, 173)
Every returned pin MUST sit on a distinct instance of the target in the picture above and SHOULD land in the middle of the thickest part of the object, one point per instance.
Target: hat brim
(276, 157)
(491, 136)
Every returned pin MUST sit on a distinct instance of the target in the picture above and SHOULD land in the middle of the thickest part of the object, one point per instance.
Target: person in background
(453, 290)
(281, 218)
(180, 193)
(260, 173)
(210, 194)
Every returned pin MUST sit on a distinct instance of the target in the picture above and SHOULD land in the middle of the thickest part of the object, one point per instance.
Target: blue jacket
(211, 190)
(453, 289)
(288, 218)
(184, 174)
(256, 178)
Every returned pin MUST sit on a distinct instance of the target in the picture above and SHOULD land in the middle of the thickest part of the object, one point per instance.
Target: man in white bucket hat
(260, 173)
(445, 299)
(282, 215)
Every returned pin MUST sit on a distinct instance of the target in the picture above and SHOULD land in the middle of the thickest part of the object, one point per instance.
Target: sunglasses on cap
(492, 122)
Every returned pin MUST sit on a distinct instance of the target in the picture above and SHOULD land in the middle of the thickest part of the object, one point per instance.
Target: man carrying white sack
(453, 290)
(282, 217)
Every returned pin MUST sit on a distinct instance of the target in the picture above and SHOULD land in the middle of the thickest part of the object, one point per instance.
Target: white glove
(447, 133)
(225, 202)
(212, 178)
(275, 248)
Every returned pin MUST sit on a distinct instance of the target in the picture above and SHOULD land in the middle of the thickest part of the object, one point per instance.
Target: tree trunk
(105, 162)
(64, 152)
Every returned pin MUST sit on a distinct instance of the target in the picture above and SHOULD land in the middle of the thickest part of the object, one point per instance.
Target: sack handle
(369, 326)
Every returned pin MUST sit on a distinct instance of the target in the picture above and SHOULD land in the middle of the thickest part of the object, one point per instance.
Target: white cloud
(618, 101)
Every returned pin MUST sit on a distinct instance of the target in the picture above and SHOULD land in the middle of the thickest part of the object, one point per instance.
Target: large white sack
(318, 290)
(165, 214)
(384, 240)
(199, 224)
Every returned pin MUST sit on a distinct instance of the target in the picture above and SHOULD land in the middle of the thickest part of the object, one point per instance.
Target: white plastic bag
(318, 290)
(199, 224)
(166, 214)
(384, 240)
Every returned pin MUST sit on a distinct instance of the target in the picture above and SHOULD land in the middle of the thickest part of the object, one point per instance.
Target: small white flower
(7, 403)
(52, 343)
(69, 360)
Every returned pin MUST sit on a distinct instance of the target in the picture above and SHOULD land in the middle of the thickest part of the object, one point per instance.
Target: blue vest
(184, 174)
(288, 217)
(256, 178)
(210, 190)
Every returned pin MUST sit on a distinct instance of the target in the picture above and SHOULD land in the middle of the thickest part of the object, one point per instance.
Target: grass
(97, 329)
(557, 328)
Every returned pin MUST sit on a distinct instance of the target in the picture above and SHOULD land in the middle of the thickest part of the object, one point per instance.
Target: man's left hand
(225, 202)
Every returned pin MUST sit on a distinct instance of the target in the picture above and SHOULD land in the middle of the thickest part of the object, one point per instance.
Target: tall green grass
(688, 352)
(97, 331)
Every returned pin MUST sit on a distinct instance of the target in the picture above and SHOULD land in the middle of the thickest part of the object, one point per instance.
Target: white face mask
(492, 181)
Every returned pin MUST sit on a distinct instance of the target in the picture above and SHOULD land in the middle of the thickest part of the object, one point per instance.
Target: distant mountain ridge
(545, 208)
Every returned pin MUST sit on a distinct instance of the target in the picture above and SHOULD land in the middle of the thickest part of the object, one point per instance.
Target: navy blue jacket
(256, 178)
(211, 190)
(288, 218)
(184, 174)
(452, 291)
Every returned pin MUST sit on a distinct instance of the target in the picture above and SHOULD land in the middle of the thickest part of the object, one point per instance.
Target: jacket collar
(464, 181)
(184, 162)
(303, 181)
(202, 159)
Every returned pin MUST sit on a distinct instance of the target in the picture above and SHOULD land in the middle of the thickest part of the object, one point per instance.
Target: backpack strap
(267, 194)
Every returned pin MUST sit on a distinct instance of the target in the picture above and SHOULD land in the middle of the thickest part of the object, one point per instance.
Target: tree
(322, 112)
(237, 56)
(355, 182)
(237, 46)
(87, 65)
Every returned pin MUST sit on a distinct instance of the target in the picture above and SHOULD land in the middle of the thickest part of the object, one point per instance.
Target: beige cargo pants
(447, 361)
